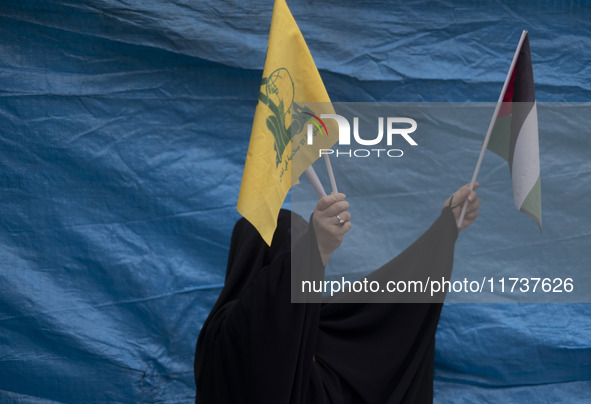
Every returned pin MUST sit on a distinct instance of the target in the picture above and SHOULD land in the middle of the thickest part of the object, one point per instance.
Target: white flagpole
(492, 123)
(313, 178)
(333, 183)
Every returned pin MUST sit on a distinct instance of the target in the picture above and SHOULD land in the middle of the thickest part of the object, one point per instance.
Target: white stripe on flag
(526, 158)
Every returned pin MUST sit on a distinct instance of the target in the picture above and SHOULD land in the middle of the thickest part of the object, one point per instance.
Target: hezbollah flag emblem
(289, 77)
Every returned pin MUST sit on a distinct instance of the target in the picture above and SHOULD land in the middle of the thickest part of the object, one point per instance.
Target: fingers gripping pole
(466, 201)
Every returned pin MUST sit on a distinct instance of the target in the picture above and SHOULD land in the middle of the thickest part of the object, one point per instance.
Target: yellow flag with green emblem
(289, 77)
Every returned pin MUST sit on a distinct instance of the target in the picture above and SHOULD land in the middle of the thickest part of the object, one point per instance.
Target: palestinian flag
(515, 135)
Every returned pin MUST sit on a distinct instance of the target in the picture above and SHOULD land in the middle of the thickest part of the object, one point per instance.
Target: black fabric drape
(257, 347)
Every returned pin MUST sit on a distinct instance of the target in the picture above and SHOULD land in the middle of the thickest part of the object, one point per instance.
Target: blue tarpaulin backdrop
(123, 132)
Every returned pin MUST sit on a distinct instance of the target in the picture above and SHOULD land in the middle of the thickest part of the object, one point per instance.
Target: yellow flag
(289, 77)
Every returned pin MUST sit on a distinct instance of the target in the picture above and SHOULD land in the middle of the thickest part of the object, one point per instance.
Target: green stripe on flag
(532, 205)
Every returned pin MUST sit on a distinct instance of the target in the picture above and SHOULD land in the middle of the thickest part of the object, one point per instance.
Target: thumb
(463, 193)
(326, 201)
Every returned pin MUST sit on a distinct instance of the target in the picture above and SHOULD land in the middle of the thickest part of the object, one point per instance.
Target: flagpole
(315, 181)
(333, 183)
(492, 123)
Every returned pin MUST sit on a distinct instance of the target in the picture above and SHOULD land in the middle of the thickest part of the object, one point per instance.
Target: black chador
(256, 347)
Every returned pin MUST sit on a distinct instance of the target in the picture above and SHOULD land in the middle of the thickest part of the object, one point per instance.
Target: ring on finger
(341, 221)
